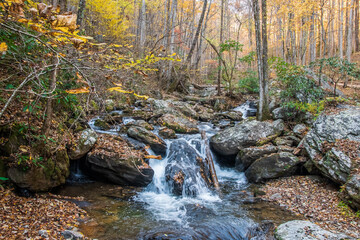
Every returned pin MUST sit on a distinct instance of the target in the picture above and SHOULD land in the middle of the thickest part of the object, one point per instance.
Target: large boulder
(178, 124)
(47, 174)
(186, 170)
(305, 230)
(352, 188)
(244, 135)
(140, 123)
(272, 166)
(84, 143)
(178, 108)
(147, 137)
(249, 155)
(332, 161)
(333, 145)
(115, 160)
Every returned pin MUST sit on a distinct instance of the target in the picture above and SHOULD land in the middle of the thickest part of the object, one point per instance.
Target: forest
(180, 119)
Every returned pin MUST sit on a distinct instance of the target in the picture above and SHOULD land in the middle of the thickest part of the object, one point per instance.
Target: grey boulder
(244, 135)
(305, 230)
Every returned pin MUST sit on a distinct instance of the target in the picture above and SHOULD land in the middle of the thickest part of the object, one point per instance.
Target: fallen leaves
(315, 199)
(23, 218)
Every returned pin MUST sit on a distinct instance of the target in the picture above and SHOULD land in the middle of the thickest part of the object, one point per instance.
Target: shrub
(250, 83)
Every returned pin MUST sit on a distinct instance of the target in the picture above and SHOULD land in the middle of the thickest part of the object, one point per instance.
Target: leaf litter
(317, 200)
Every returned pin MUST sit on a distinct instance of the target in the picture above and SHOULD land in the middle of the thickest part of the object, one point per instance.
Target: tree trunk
(312, 39)
(341, 36)
(80, 13)
(349, 33)
(221, 41)
(357, 40)
(49, 108)
(250, 26)
(262, 51)
(203, 29)
(172, 37)
(142, 17)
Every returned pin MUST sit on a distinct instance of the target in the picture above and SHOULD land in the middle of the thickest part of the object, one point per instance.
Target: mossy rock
(43, 176)
(14, 136)
(102, 124)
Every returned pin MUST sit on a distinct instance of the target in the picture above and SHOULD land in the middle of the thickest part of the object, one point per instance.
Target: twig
(52, 49)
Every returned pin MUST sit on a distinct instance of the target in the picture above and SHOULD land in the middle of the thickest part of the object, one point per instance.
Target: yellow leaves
(79, 90)
(117, 84)
(141, 96)
(3, 47)
(23, 20)
(119, 89)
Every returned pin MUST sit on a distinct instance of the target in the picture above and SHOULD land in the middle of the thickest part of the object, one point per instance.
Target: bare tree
(221, 41)
(262, 55)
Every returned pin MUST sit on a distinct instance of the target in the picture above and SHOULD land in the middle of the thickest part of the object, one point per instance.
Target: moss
(101, 124)
(94, 105)
(266, 140)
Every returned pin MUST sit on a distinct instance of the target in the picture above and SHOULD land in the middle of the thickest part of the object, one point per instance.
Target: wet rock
(249, 155)
(72, 235)
(53, 173)
(147, 137)
(141, 123)
(333, 163)
(141, 114)
(272, 166)
(113, 159)
(246, 134)
(83, 145)
(263, 231)
(178, 124)
(205, 114)
(113, 119)
(167, 133)
(235, 116)
(101, 124)
(306, 230)
(185, 169)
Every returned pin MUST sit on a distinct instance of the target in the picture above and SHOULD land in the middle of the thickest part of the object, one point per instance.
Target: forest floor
(30, 217)
(317, 200)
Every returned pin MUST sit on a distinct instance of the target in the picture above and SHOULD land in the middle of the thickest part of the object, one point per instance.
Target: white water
(157, 197)
(243, 108)
(165, 206)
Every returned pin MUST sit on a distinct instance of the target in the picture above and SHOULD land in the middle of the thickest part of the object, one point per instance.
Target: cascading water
(157, 213)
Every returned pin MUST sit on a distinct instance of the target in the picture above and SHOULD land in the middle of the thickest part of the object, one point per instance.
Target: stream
(155, 213)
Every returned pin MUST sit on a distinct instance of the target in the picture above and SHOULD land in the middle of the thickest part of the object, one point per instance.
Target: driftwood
(210, 162)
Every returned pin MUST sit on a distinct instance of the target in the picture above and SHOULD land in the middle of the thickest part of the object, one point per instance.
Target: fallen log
(210, 162)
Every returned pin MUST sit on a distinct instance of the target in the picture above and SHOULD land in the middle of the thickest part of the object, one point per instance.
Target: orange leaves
(153, 157)
(79, 90)
(3, 48)
(22, 218)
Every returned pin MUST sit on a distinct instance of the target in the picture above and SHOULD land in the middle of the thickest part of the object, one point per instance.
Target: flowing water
(155, 213)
